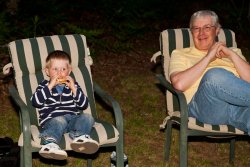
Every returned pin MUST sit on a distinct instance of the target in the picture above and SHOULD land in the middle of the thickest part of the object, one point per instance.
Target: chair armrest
(115, 105)
(180, 95)
(155, 55)
(24, 115)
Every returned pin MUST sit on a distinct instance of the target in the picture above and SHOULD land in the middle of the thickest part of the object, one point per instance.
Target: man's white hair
(204, 13)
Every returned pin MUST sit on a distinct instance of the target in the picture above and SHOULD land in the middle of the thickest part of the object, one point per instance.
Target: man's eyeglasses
(206, 28)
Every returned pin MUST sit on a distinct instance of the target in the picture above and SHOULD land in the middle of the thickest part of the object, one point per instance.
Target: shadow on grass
(72, 154)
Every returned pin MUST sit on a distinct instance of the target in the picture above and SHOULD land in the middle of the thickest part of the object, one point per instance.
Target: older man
(215, 79)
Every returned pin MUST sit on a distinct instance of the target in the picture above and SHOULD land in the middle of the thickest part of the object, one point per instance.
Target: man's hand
(224, 52)
(216, 51)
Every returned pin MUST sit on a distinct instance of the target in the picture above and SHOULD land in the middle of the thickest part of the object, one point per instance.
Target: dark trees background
(111, 21)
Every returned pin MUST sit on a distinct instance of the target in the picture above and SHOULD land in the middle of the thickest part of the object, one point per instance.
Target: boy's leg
(220, 99)
(51, 135)
(80, 127)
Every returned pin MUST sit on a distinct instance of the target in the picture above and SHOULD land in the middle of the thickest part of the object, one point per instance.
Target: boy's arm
(80, 99)
(40, 96)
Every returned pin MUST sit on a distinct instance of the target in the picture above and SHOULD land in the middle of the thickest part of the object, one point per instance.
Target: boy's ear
(70, 69)
(47, 71)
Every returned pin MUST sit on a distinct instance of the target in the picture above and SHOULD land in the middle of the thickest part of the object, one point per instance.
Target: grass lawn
(142, 104)
(131, 81)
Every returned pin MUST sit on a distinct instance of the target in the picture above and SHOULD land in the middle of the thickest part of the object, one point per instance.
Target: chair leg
(119, 153)
(22, 157)
(89, 162)
(183, 148)
(232, 150)
(25, 157)
(168, 142)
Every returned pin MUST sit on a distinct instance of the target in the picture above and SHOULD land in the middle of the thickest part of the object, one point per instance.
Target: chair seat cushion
(193, 123)
(103, 132)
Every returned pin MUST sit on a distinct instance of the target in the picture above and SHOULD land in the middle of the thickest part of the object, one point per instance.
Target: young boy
(59, 101)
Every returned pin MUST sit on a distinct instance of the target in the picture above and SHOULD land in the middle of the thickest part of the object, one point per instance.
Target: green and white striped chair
(171, 39)
(28, 61)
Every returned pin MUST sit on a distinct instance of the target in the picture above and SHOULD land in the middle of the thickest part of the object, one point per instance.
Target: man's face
(204, 33)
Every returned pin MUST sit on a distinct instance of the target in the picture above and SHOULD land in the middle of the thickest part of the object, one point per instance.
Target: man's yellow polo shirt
(182, 59)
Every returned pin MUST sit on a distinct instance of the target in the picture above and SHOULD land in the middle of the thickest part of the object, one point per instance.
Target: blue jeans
(222, 98)
(75, 125)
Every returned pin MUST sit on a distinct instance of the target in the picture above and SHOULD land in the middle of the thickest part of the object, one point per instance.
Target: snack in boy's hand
(62, 80)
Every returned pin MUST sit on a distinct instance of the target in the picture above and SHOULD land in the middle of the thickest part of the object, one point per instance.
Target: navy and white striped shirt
(51, 104)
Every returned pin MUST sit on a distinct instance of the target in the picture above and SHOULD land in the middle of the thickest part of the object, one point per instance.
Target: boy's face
(58, 67)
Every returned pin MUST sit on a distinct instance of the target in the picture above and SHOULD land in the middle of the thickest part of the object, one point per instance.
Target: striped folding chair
(171, 39)
(28, 61)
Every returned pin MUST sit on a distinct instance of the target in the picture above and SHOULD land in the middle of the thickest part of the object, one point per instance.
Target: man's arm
(242, 66)
(182, 80)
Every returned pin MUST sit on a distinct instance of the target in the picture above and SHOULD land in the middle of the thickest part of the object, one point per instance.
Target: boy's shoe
(84, 144)
(53, 151)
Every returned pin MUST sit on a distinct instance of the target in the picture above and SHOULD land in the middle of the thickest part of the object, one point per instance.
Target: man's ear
(217, 31)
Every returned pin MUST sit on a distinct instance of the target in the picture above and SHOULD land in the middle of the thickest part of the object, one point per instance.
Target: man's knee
(215, 73)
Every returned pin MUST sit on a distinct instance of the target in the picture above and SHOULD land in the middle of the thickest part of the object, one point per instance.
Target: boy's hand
(53, 82)
(71, 84)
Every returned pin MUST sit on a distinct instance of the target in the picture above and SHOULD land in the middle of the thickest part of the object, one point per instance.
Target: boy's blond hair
(57, 54)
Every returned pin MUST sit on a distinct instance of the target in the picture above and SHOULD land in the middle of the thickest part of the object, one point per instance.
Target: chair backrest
(28, 61)
(171, 39)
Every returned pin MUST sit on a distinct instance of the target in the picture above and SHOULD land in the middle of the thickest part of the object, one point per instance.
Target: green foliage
(72, 28)
(93, 35)
(112, 25)
(4, 28)
(35, 24)
(235, 15)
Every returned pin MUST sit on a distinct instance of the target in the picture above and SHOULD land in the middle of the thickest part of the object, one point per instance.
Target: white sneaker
(84, 144)
(53, 151)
